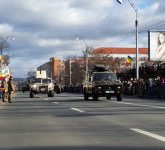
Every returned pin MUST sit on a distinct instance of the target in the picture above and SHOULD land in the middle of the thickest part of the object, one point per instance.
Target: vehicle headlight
(99, 87)
(34, 86)
(118, 87)
(50, 86)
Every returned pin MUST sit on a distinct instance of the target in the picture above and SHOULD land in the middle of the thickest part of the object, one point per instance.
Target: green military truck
(103, 83)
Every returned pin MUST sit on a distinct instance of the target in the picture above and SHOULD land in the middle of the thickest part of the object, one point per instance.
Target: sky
(41, 29)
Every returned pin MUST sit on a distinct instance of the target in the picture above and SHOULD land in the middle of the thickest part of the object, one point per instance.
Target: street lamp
(78, 37)
(136, 25)
(51, 69)
(70, 71)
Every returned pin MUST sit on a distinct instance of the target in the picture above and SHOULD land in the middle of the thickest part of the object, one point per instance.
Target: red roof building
(121, 52)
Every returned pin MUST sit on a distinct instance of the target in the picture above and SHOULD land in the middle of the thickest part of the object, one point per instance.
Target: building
(57, 69)
(53, 68)
(122, 52)
(74, 71)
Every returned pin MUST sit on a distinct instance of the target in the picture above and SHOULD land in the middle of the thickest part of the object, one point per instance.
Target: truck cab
(103, 84)
(43, 86)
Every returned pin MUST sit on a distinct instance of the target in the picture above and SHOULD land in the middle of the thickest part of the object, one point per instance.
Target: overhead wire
(143, 30)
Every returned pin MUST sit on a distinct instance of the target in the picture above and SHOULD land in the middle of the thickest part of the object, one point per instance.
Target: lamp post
(136, 25)
(70, 71)
(78, 37)
(51, 69)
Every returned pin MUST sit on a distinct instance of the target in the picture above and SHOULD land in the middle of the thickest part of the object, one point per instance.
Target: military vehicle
(102, 83)
(42, 86)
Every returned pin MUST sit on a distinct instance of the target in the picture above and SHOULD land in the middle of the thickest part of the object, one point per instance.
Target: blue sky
(46, 28)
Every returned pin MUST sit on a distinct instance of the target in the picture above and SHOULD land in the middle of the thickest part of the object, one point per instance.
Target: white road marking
(134, 104)
(79, 110)
(46, 99)
(155, 136)
(55, 102)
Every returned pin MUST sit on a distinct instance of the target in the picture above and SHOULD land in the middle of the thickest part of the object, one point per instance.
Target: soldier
(4, 88)
(11, 89)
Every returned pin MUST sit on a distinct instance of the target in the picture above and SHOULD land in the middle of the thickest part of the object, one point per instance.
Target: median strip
(79, 110)
(155, 136)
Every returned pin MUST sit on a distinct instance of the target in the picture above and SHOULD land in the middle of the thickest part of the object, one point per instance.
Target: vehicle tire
(57, 90)
(51, 94)
(86, 96)
(95, 97)
(108, 97)
(119, 97)
(31, 94)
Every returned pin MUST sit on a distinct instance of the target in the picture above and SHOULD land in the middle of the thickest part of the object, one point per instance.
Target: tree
(3, 44)
(114, 63)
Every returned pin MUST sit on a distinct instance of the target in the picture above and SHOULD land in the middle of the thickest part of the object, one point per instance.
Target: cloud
(46, 28)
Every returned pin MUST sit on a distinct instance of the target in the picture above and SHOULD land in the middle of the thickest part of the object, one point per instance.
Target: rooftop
(117, 50)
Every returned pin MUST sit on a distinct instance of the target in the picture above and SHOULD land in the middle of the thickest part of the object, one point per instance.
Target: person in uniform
(11, 89)
(4, 88)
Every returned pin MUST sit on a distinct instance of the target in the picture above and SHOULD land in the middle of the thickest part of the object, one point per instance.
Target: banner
(4, 68)
(156, 44)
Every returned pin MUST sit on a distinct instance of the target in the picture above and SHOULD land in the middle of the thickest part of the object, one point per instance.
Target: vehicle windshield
(39, 80)
(104, 76)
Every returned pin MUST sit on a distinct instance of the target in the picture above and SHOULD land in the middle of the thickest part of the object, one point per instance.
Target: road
(66, 121)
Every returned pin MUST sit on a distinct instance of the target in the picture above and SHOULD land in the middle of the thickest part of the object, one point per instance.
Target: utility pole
(136, 25)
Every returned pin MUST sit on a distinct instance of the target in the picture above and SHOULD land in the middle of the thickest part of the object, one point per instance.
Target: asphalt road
(67, 122)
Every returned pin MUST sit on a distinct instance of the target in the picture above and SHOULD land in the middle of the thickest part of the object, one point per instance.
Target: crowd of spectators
(151, 82)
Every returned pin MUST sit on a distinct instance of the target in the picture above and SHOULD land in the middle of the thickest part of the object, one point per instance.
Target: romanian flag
(128, 61)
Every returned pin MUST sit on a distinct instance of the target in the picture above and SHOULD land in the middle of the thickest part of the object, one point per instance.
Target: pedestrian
(11, 89)
(4, 88)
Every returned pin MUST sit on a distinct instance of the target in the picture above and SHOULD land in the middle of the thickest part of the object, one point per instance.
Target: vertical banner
(1, 65)
(4, 68)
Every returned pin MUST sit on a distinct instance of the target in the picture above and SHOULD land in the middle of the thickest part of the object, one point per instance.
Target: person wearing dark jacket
(11, 89)
(4, 88)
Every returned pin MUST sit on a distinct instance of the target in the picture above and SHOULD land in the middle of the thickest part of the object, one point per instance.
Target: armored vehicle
(43, 86)
(103, 83)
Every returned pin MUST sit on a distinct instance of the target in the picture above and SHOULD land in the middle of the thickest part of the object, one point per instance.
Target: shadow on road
(83, 148)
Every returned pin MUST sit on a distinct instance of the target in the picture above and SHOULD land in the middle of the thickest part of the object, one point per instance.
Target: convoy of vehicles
(101, 83)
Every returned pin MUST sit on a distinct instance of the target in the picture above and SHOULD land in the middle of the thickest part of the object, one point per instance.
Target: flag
(128, 61)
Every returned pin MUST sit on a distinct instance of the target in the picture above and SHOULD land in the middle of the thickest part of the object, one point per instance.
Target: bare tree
(6, 59)
(3, 44)
(112, 63)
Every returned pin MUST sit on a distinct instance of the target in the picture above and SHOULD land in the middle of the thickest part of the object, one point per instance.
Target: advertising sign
(41, 74)
(156, 45)
(4, 68)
